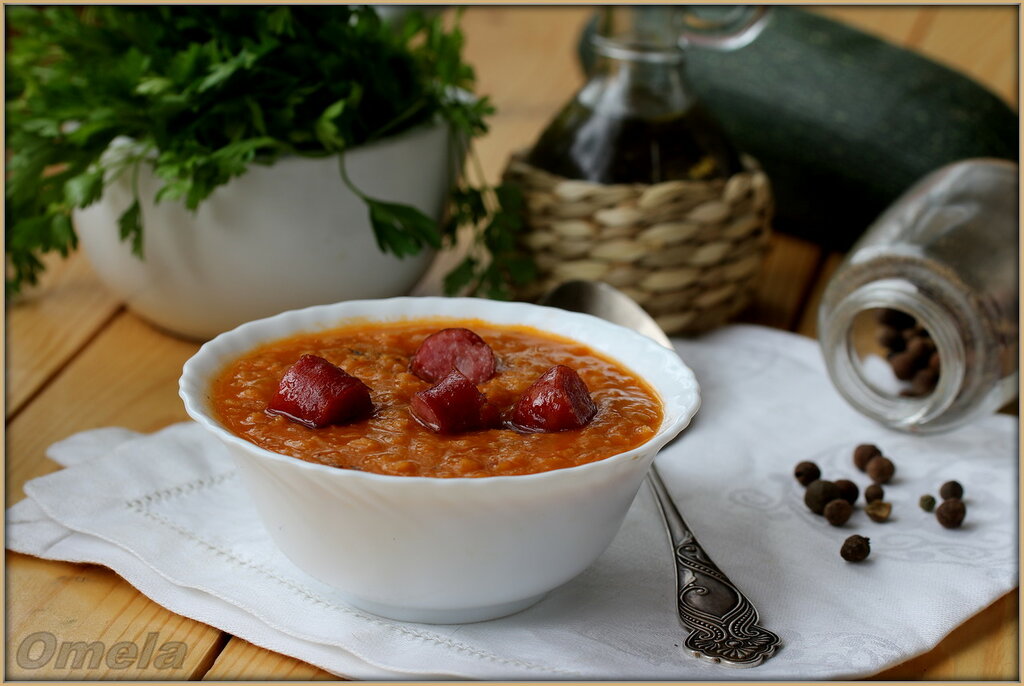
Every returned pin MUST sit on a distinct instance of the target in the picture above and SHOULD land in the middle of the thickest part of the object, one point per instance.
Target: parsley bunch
(206, 91)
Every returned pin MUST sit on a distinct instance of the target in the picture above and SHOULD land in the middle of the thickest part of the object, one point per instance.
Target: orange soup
(391, 441)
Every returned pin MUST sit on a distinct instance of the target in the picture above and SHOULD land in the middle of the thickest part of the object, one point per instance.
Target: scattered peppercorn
(848, 490)
(951, 489)
(878, 510)
(855, 548)
(838, 512)
(873, 492)
(881, 469)
(862, 454)
(927, 502)
(819, 494)
(807, 473)
(951, 513)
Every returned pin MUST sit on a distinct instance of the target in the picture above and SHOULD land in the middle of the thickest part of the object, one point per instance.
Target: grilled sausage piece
(449, 349)
(454, 405)
(316, 393)
(557, 401)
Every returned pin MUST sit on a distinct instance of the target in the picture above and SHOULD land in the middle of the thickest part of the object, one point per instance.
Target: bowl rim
(193, 383)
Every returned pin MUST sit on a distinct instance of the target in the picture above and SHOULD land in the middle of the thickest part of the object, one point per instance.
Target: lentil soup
(391, 441)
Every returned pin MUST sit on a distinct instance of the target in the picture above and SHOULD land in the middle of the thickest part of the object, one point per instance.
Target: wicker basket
(687, 251)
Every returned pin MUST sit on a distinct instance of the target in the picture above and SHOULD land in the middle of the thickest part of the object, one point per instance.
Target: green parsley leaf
(401, 229)
(130, 227)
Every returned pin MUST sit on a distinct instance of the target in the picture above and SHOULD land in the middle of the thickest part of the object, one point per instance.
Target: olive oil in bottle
(636, 119)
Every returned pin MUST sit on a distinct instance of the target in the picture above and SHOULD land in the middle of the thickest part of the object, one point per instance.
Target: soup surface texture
(391, 441)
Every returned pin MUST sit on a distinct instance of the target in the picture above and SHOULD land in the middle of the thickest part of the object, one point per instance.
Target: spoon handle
(722, 622)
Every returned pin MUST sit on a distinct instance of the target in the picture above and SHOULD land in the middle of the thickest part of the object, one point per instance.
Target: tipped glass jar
(919, 325)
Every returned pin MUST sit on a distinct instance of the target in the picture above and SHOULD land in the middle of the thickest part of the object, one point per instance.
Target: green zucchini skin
(841, 121)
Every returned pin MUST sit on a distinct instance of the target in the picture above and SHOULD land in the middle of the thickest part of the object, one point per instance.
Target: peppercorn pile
(836, 500)
(910, 351)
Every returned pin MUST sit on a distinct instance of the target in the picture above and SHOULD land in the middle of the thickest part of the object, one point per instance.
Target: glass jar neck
(858, 384)
(650, 33)
(640, 68)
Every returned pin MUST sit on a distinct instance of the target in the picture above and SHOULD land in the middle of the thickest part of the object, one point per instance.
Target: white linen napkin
(169, 514)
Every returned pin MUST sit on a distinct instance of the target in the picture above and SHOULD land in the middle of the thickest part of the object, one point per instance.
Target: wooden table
(78, 360)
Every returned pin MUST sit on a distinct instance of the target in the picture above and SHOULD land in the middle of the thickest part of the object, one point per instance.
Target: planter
(279, 237)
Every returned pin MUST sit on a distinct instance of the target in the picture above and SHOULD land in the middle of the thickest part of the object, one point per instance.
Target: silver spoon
(723, 624)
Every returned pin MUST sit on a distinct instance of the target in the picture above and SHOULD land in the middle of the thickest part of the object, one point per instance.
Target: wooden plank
(525, 57)
(242, 661)
(980, 42)
(128, 377)
(50, 322)
(984, 648)
(64, 604)
(783, 283)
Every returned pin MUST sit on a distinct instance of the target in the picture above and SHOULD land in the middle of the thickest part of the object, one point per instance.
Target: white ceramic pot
(277, 238)
(444, 550)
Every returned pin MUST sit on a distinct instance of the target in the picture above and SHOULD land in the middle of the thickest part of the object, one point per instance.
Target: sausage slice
(316, 393)
(454, 405)
(449, 349)
(557, 401)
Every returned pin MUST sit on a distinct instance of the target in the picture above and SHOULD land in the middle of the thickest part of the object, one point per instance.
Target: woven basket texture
(687, 251)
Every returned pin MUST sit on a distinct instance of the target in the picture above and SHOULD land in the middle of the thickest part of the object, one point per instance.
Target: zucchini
(843, 122)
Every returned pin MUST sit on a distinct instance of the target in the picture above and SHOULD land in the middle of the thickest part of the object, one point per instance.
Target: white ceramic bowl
(276, 238)
(444, 550)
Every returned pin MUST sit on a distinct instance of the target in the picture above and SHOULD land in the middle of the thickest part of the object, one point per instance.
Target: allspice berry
(891, 339)
(819, 494)
(878, 510)
(927, 502)
(848, 490)
(862, 454)
(951, 513)
(897, 319)
(921, 347)
(881, 469)
(838, 512)
(855, 548)
(873, 492)
(951, 489)
(924, 381)
(904, 365)
(807, 473)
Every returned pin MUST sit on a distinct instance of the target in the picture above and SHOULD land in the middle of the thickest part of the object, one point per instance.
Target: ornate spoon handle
(722, 622)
